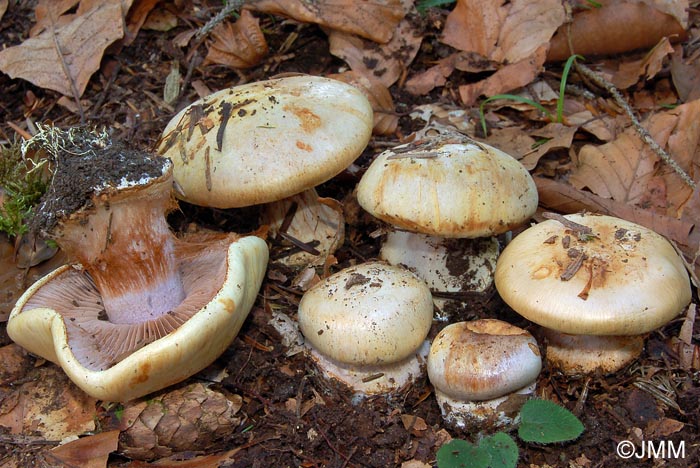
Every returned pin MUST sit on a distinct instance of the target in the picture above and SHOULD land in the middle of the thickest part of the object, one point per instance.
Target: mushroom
(482, 372)
(138, 309)
(600, 281)
(366, 326)
(446, 195)
(268, 141)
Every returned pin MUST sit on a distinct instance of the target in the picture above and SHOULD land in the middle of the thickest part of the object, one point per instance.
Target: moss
(23, 181)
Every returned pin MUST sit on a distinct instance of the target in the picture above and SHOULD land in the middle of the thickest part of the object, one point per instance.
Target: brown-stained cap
(265, 141)
(448, 185)
(608, 277)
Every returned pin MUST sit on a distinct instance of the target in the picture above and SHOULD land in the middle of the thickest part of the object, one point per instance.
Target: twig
(574, 226)
(225, 11)
(643, 132)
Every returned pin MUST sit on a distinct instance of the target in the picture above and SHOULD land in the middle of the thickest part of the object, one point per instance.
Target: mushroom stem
(126, 246)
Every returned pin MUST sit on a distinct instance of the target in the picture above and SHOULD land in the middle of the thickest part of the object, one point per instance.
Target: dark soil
(291, 416)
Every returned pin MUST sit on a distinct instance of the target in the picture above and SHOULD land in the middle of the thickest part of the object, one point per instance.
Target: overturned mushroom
(597, 283)
(270, 141)
(139, 309)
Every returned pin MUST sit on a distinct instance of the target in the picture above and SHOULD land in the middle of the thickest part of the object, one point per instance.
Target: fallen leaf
(474, 26)
(81, 42)
(237, 45)
(48, 403)
(598, 31)
(386, 120)
(86, 452)
(371, 19)
(628, 171)
(384, 62)
(558, 136)
(15, 361)
(137, 17)
(424, 82)
(663, 428)
(629, 72)
(160, 19)
(529, 26)
(505, 79)
(3, 7)
(685, 75)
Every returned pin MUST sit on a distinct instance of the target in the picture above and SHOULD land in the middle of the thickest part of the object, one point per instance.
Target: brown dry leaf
(528, 26)
(505, 33)
(48, 403)
(371, 19)
(55, 13)
(15, 361)
(513, 140)
(629, 72)
(385, 118)
(558, 136)
(598, 31)
(628, 171)
(160, 20)
(505, 79)
(437, 75)
(14, 280)
(3, 7)
(686, 76)
(86, 452)
(564, 198)
(385, 62)
(82, 43)
(474, 26)
(237, 45)
(137, 17)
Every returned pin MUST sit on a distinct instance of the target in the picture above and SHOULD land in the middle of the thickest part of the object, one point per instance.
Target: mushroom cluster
(597, 283)
(446, 195)
(138, 309)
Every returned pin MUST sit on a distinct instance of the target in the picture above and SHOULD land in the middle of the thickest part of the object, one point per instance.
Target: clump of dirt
(86, 162)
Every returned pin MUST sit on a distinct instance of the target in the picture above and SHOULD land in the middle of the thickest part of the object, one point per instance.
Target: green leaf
(502, 449)
(459, 453)
(425, 4)
(545, 422)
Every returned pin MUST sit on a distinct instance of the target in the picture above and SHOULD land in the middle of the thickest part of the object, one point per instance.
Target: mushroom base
(375, 379)
(586, 354)
(484, 416)
(455, 269)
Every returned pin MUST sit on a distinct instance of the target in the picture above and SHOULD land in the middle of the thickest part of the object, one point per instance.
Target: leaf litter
(416, 68)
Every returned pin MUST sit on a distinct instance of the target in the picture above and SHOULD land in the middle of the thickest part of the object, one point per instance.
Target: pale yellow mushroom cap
(265, 141)
(449, 186)
(630, 281)
(369, 314)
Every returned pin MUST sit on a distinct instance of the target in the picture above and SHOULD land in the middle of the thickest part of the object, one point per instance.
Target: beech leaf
(82, 43)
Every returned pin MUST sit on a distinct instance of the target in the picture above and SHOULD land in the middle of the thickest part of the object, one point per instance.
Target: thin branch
(230, 7)
(643, 132)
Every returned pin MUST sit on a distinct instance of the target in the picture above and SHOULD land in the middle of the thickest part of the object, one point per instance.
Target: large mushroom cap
(59, 319)
(265, 141)
(619, 279)
(368, 314)
(448, 185)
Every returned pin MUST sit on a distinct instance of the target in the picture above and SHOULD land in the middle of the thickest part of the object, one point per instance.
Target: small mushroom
(482, 372)
(267, 142)
(600, 281)
(446, 195)
(138, 309)
(366, 326)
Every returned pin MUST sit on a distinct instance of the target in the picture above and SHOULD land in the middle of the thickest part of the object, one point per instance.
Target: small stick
(643, 132)
(576, 227)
